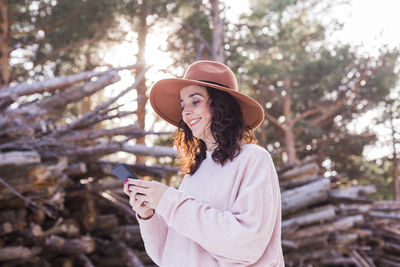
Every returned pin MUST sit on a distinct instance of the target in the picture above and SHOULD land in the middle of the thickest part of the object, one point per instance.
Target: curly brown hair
(227, 127)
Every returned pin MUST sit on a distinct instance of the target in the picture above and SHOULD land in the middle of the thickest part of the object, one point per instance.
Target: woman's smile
(193, 122)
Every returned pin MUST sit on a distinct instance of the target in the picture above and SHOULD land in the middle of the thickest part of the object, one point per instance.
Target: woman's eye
(194, 103)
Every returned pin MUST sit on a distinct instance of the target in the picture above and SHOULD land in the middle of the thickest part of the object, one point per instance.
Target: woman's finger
(126, 189)
(141, 198)
(132, 183)
(140, 183)
(136, 198)
(132, 200)
(136, 204)
(139, 190)
(139, 206)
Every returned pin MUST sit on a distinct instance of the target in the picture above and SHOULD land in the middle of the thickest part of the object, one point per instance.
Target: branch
(155, 151)
(28, 202)
(91, 135)
(95, 37)
(48, 105)
(273, 120)
(93, 113)
(19, 158)
(107, 194)
(89, 88)
(132, 260)
(138, 149)
(85, 260)
(307, 113)
(131, 131)
(61, 49)
(198, 36)
(341, 102)
(50, 85)
(50, 27)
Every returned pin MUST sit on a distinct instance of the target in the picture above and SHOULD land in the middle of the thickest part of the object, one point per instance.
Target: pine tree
(310, 89)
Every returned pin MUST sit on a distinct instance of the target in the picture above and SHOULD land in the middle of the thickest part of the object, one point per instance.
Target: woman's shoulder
(254, 151)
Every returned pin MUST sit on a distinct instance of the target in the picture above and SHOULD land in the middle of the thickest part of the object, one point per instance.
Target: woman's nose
(186, 110)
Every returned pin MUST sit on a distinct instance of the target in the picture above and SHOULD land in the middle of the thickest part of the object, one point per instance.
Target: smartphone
(122, 171)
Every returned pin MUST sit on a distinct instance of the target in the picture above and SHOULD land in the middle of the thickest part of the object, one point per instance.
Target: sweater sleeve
(154, 233)
(241, 234)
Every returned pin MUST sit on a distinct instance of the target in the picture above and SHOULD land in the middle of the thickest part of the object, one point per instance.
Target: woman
(227, 210)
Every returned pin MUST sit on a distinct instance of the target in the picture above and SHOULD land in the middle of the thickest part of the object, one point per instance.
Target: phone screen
(122, 171)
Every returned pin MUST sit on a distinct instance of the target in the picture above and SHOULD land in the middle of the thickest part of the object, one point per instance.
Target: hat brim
(165, 100)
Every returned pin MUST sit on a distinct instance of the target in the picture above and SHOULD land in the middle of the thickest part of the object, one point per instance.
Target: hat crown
(213, 72)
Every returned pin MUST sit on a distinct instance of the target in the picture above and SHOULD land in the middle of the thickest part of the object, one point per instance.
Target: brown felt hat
(165, 99)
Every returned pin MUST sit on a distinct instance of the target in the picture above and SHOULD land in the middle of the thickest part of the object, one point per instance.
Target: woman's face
(196, 111)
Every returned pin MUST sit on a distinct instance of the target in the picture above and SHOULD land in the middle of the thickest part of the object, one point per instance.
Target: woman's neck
(211, 148)
(210, 144)
(209, 140)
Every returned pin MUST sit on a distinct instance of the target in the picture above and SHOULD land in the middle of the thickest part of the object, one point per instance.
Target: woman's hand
(138, 205)
(148, 192)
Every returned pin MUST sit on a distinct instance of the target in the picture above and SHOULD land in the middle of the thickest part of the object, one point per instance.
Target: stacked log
(59, 203)
(323, 225)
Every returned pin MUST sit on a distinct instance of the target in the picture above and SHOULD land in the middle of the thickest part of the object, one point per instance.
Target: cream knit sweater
(220, 216)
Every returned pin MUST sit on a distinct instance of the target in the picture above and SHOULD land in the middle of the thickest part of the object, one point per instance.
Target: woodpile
(324, 225)
(59, 203)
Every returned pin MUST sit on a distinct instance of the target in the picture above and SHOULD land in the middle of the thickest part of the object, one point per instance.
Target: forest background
(314, 91)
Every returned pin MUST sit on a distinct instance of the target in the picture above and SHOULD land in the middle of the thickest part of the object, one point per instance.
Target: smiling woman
(227, 210)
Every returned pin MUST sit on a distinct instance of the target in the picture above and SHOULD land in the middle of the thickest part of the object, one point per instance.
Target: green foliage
(376, 172)
(258, 6)
(184, 43)
(63, 37)
(57, 32)
(280, 39)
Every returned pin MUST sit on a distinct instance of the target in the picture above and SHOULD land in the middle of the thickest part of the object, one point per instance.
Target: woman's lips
(193, 122)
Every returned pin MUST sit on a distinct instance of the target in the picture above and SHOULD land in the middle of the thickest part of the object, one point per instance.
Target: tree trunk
(396, 177)
(141, 88)
(290, 142)
(4, 31)
(395, 160)
(290, 145)
(86, 104)
(217, 32)
(262, 128)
